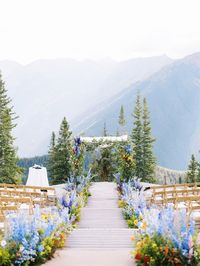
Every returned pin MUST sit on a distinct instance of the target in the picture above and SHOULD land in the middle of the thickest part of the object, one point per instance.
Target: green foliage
(65, 158)
(106, 164)
(9, 171)
(136, 138)
(193, 170)
(60, 155)
(121, 120)
(147, 147)
(125, 162)
(142, 141)
(49, 248)
(52, 158)
(78, 160)
(102, 160)
(5, 257)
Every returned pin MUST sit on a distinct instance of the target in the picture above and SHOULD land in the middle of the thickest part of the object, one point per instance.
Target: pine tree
(147, 147)
(62, 155)
(52, 155)
(198, 172)
(137, 137)
(192, 170)
(105, 133)
(9, 170)
(121, 120)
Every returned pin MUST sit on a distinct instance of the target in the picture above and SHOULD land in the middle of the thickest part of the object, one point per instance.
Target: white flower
(21, 248)
(3, 243)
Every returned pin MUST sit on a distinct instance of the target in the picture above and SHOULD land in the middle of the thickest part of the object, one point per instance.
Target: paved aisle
(102, 238)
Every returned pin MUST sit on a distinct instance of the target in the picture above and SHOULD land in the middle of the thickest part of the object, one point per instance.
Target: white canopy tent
(37, 176)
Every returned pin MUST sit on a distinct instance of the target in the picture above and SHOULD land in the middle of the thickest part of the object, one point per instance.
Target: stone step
(101, 246)
(102, 225)
(101, 211)
(102, 203)
(102, 231)
(102, 218)
(92, 257)
(101, 238)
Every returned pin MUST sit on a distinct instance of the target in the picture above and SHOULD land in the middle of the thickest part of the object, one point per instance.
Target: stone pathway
(102, 237)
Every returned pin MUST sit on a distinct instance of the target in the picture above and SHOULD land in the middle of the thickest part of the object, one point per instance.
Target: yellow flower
(144, 226)
(133, 252)
(154, 245)
(136, 222)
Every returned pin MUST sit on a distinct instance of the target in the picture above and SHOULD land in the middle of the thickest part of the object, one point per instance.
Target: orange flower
(177, 261)
(146, 260)
(138, 256)
(132, 238)
(166, 250)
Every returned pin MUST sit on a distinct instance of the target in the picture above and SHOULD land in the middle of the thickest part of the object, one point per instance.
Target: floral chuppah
(165, 236)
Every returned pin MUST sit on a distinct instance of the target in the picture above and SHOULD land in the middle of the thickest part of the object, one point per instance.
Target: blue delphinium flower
(77, 144)
(23, 229)
(128, 149)
(40, 248)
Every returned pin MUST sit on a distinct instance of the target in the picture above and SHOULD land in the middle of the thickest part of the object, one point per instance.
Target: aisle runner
(102, 238)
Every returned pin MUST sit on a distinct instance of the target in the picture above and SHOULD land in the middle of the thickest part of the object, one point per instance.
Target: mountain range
(90, 93)
(45, 91)
(173, 95)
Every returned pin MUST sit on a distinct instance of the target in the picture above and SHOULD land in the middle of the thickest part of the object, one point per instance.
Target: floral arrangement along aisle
(76, 195)
(167, 238)
(33, 239)
(164, 236)
(132, 201)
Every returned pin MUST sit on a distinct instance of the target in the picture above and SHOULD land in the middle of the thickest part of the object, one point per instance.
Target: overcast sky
(33, 29)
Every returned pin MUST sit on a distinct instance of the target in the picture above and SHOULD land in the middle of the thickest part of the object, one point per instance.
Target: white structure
(37, 176)
(107, 138)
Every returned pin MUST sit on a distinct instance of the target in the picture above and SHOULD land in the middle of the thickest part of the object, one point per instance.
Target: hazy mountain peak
(7, 67)
(193, 59)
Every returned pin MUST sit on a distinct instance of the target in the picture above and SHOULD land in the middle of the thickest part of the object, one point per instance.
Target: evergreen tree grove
(9, 170)
(142, 141)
